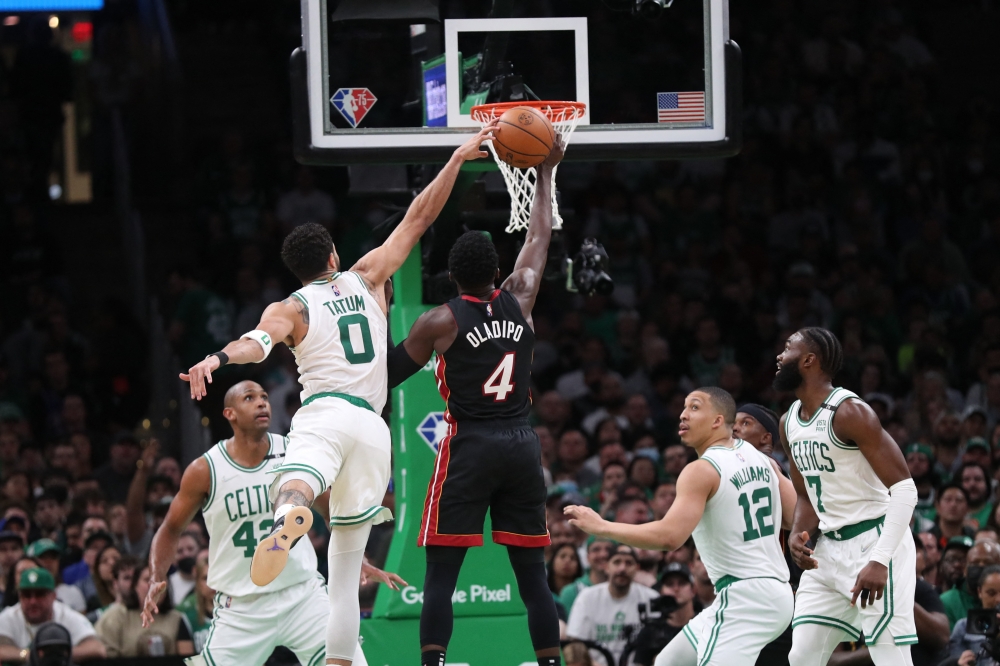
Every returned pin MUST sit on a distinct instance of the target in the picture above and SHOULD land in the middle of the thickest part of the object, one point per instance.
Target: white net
(564, 117)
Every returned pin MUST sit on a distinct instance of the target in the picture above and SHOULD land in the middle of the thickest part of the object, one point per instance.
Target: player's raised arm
(379, 264)
(526, 279)
(856, 422)
(276, 325)
(695, 486)
(196, 485)
(804, 521)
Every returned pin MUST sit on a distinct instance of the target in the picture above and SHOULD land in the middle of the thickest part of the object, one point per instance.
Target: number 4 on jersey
(499, 385)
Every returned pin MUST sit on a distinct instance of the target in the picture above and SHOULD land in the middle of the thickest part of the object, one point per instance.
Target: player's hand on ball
(801, 552)
(473, 148)
(393, 581)
(150, 606)
(870, 584)
(199, 374)
(583, 517)
(556, 154)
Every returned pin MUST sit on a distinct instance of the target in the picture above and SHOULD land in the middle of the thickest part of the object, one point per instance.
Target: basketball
(523, 137)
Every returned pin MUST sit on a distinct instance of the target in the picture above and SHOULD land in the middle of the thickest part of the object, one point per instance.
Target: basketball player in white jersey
(733, 500)
(336, 327)
(854, 488)
(229, 485)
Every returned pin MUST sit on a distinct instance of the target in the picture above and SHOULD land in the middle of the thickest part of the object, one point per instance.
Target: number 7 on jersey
(498, 384)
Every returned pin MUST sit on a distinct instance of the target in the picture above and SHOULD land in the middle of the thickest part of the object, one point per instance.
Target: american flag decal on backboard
(680, 107)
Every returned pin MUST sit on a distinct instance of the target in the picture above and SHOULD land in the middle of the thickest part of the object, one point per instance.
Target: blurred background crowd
(866, 200)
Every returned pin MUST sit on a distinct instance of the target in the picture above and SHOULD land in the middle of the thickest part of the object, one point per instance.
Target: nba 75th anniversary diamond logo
(353, 104)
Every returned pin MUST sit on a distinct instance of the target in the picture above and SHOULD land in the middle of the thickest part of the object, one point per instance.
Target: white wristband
(261, 338)
(902, 500)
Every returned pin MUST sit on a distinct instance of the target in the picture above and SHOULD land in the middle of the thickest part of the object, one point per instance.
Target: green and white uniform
(338, 438)
(851, 502)
(738, 540)
(250, 621)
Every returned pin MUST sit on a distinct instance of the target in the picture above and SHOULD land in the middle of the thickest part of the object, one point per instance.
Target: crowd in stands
(865, 200)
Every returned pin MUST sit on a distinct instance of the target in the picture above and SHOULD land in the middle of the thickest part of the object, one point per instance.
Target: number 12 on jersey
(498, 384)
(761, 500)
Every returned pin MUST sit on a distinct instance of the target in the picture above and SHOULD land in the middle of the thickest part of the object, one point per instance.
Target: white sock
(346, 552)
(282, 510)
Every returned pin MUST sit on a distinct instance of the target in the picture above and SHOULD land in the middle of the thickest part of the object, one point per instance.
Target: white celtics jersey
(344, 350)
(842, 485)
(238, 515)
(738, 535)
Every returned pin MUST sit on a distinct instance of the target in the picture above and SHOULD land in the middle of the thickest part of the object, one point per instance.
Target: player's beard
(788, 377)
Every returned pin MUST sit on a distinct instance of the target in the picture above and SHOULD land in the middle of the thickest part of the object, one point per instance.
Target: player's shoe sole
(271, 555)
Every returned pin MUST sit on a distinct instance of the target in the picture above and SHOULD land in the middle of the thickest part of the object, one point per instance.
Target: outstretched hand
(150, 606)
(557, 152)
(584, 517)
(473, 148)
(391, 580)
(199, 374)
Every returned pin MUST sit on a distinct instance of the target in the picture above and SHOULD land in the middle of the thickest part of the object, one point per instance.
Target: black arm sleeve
(400, 365)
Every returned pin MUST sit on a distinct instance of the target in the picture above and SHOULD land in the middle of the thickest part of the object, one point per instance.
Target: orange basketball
(523, 137)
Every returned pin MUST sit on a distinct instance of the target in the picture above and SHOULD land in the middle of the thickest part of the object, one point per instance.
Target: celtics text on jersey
(238, 515)
(842, 486)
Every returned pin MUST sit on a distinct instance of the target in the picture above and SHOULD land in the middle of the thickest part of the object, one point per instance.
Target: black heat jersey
(486, 373)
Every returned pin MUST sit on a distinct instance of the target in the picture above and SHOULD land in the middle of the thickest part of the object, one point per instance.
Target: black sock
(434, 658)
(549, 661)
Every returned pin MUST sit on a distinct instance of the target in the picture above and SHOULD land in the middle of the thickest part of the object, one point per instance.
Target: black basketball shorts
(482, 465)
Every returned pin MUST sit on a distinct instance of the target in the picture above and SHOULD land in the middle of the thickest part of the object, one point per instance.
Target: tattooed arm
(287, 321)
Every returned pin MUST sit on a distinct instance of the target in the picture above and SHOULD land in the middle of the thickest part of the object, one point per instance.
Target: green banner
(477, 641)
(486, 587)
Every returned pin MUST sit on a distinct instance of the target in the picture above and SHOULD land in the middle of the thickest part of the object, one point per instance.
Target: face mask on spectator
(973, 573)
(186, 565)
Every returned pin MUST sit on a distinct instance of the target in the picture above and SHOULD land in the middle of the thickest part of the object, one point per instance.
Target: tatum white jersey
(238, 515)
(738, 534)
(345, 348)
(842, 485)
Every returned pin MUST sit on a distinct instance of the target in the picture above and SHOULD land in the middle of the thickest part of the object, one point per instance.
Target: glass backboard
(394, 80)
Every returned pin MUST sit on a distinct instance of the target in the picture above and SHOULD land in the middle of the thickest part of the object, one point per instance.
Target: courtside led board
(658, 81)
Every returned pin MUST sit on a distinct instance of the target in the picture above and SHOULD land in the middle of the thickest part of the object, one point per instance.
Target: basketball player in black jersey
(491, 457)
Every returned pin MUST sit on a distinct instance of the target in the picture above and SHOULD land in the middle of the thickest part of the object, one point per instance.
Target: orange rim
(550, 109)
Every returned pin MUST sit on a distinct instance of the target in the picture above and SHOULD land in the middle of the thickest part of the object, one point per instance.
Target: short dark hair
(967, 465)
(124, 563)
(953, 486)
(473, 260)
(306, 250)
(722, 401)
(827, 347)
(991, 570)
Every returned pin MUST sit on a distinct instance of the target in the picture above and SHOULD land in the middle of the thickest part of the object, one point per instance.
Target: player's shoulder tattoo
(300, 306)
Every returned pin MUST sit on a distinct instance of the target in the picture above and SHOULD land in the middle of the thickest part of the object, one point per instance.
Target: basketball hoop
(564, 117)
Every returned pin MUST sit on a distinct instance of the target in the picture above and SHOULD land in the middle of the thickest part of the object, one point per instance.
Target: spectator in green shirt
(960, 600)
(976, 480)
(598, 552)
(197, 608)
(202, 322)
(920, 461)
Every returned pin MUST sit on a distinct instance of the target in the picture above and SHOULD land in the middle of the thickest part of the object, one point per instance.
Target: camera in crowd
(587, 273)
(983, 622)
